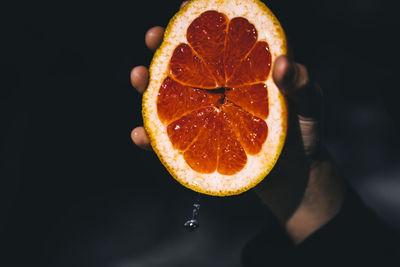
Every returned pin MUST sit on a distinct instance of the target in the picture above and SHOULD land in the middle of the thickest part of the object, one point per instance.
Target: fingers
(154, 37)
(140, 78)
(290, 77)
(292, 80)
(140, 138)
(140, 74)
(183, 4)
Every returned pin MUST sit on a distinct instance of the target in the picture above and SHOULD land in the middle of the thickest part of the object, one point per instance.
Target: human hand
(304, 190)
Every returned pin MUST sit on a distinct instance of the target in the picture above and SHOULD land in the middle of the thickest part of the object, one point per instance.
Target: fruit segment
(254, 68)
(206, 35)
(183, 131)
(189, 69)
(252, 98)
(174, 100)
(241, 37)
(231, 155)
(202, 155)
(250, 130)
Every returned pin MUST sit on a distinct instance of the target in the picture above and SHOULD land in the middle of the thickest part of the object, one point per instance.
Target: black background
(75, 191)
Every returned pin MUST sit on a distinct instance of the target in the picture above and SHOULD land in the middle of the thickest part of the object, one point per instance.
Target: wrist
(322, 200)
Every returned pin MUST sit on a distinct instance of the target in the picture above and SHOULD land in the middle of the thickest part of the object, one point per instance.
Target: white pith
(257, 165)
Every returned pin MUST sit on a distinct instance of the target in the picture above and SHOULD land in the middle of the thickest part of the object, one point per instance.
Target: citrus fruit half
(214, 116)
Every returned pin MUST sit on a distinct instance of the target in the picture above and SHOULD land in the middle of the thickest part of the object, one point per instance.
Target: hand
(305, 189)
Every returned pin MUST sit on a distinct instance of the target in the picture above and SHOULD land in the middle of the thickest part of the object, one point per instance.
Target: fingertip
(154, 37)
(183, 4)
(290, 76)
(282, 71)
(293, 81)
(140, 138)
(140, 78)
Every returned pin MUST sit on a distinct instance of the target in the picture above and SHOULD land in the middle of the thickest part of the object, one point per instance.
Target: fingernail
(134, 136)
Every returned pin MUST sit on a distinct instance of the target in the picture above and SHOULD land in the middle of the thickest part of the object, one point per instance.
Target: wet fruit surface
(215, 102)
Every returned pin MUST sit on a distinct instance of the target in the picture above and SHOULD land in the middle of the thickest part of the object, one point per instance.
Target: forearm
(349, 233)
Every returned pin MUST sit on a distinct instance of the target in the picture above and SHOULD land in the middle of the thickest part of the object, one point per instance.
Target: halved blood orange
(212, 111)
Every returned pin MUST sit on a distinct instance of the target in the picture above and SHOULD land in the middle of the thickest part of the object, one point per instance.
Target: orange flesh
(215, 102)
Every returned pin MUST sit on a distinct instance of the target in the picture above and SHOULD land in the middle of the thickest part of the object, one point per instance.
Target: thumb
(305, 99)
(293, 81)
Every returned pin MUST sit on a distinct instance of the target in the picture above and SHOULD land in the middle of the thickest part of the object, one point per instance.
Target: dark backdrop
(74, 190)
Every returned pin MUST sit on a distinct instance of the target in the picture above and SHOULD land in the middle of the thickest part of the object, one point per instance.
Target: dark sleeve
(355, 236)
